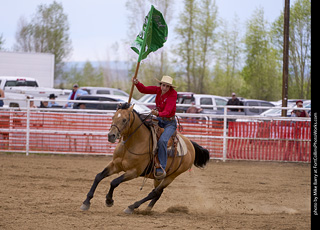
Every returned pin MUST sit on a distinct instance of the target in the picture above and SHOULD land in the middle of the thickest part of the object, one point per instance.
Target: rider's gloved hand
(155, 112)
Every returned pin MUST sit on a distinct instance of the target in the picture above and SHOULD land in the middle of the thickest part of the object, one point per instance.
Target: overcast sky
(95, 25)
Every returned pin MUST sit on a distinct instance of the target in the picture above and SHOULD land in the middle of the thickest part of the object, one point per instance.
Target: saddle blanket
(175, 140)
(181, 148)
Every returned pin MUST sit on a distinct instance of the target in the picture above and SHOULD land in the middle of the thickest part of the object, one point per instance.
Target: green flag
(154, 33)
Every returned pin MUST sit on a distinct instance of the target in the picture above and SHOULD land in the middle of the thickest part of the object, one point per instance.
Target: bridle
(124, 125)
(131, 134)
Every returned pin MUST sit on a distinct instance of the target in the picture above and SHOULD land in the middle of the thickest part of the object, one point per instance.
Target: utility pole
(285, 71)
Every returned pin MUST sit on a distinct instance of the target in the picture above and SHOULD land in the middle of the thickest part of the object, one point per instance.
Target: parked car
(255, 111)
(200, 101)
(104, 98)
(308, 105)
(246, 111)
(187, 98)
(18, 87)
(277, 112)
(104, 91)
(148, 98)
(289, 102)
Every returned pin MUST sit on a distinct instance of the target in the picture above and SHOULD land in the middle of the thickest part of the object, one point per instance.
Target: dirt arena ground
(46, 191)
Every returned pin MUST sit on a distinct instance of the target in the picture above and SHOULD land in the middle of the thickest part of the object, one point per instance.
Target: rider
(165, 111)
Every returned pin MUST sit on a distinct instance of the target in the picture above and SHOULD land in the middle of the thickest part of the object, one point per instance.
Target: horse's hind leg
(153, 201)
(109, 170)
(154, 196)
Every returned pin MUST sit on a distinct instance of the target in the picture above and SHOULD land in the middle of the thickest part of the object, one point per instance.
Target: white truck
(17, 89)
(36, 65)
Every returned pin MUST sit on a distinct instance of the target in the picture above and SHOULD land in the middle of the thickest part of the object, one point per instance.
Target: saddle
(176, 145)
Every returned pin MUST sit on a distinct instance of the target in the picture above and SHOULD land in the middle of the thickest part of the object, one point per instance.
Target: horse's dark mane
(127, 105)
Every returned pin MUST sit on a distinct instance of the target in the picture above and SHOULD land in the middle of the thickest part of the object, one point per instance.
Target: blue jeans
(169, 128)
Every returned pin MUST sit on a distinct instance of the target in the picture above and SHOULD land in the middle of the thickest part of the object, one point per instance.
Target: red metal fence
(86, 133)
(206, 133)
(56, 132)
(83, 133)
(270, 140)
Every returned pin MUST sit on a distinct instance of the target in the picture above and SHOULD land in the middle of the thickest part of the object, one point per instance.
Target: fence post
(28, 127)
(224, 157)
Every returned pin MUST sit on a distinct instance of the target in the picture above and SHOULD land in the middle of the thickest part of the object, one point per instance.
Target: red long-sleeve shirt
(166, 103)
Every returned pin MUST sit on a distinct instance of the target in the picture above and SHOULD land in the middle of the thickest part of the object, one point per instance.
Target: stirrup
(161, 176)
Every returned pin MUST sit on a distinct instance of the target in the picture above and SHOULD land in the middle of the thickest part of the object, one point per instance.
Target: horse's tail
(202, 155)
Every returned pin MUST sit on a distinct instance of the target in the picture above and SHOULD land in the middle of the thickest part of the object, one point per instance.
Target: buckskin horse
(134, 156)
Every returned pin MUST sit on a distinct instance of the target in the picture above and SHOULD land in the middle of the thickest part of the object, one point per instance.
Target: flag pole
(132, 86)
(141, 51)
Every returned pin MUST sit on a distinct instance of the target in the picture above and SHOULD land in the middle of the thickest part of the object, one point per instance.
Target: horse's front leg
(129, 175)
(109, 170)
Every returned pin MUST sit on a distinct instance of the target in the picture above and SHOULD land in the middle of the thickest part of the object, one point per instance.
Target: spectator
(299, 113)
(44, 104)
(1, 96)
(193, 108)
(31, 102)
(74, 94)
(234, 101)
(82, 106)
(52, 102)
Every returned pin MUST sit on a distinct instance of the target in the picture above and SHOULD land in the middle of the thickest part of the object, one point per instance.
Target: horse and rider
(134, 156)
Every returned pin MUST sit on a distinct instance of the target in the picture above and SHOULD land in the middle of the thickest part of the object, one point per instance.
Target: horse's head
(120, 122)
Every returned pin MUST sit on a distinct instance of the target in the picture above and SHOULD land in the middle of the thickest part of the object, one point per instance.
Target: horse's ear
(131, 107)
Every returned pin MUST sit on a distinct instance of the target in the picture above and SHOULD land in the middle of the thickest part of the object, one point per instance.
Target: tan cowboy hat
(167, 80)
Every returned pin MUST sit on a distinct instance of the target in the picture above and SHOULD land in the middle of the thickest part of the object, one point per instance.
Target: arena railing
(74, 131)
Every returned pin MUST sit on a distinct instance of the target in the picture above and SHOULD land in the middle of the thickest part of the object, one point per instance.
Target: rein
(180, 126)
(151, 162)
(142, 122)
(132, 133)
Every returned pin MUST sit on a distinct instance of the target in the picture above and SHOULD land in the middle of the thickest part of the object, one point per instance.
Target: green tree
(261, 72)
(299, 48)
(84, 76)
(93, 76)
(196, 35)
(71, 77)
(48, 32)
(205, 40)
(227, 78)
(185, 50)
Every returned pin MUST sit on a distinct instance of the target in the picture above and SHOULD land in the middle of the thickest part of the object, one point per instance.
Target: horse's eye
(124, 120)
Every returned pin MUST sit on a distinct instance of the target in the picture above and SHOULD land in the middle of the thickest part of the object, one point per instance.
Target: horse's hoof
(109, 203)
(128, 211)
(148, 209)
(85, 207)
